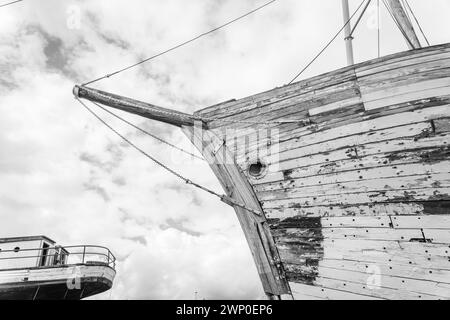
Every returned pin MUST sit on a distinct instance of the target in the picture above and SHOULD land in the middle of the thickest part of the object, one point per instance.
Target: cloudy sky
(64, 175)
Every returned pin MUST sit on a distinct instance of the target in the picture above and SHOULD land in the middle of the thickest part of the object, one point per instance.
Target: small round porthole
(16, 249)
(257, 169)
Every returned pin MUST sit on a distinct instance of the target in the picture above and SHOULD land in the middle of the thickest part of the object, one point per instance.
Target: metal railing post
(98, 256)
(84, 254)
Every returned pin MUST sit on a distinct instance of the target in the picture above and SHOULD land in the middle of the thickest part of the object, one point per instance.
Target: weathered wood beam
(404, 23)
(256, 228)
(140, 108)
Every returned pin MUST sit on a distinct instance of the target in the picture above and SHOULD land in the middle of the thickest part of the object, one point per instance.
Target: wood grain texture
(256, 229)
(360, 182)
(353, 175)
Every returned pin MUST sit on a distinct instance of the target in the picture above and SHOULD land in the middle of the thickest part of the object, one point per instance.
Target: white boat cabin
(30, 252)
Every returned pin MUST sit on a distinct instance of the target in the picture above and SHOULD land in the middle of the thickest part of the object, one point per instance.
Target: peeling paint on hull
(359, 190)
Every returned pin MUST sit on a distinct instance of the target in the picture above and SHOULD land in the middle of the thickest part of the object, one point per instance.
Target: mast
(404, 23)
(348, 30)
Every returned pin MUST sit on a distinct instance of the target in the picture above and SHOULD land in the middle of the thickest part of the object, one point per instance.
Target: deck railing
(57, 256)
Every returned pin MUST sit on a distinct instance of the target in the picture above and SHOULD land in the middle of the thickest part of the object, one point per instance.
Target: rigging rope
(9, 3)
(378, 28)
(417, 21)
(224, 198)
(359, 18)
(146, 132)
(181, 44)
(328, 44)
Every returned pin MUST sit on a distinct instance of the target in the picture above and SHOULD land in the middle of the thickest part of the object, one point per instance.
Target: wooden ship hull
(360, 192)
(348, 179)
(55, 283)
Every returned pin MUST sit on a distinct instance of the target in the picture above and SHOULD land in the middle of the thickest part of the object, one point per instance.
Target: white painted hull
(55, 283)
(358, 198)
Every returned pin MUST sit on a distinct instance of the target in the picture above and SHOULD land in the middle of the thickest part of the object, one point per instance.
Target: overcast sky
(62, 174)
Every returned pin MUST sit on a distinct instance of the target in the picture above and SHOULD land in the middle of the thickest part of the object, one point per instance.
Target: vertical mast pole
(348, 30)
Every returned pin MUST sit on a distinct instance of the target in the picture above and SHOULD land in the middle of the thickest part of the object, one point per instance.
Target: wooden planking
(412, 153)
(323, 293)
(427, 71)
(390, 146)
(373, 246)
(401, 271)
(417, 195)
(376, 292)
(298, 103)
(400, 171)
(414, 91)
(351, 115)
(437, 289)
(441, 125)
(432, 67)
(437, 235)
(415, 65)
(394, 222)
(333, 222)
(379, 161)
(335, 106)
(434, 71)
(411, 93)
(386, 287)
(284, 153)
(255, 227)
(363, 209)
(310, 253)
(340, 222)
(295, 107)
(424, 222)
(394, 61)
(415, 58)
(331, 120)
(356, 133)
(378, 234)
(420, 286)
(329, 151)
(408, 183)
(278, 111)
(272, 96)
(301, 296)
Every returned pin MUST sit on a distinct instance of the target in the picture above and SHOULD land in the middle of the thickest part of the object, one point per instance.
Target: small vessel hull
(55, 283)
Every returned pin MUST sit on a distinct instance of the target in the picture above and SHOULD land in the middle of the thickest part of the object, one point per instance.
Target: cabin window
(43, 260)
(16, 249)
(257, 169)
